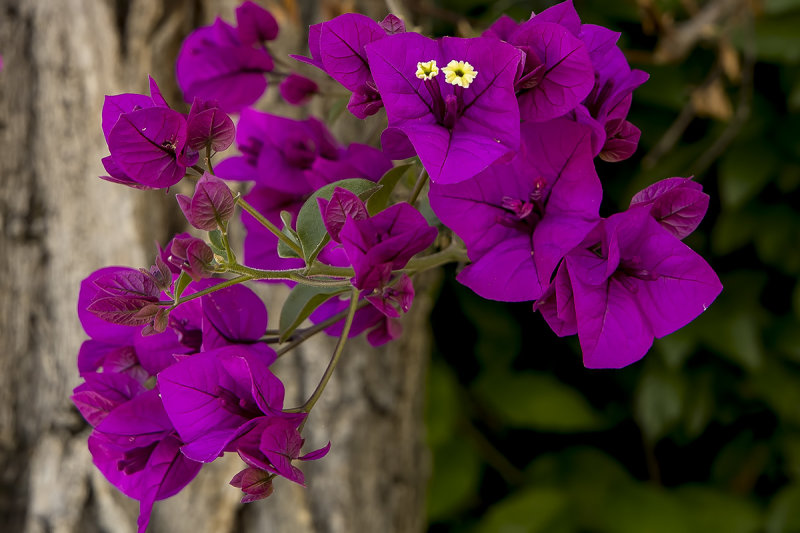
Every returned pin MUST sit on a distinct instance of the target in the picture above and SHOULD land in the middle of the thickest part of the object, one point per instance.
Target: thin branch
(337, 355)
(302, 336)
(673, 134)
(676, 44)
(743, 108)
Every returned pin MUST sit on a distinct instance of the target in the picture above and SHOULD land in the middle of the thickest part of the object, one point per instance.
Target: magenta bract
(337, 47)
(381, 243)
(678, 204)
(215, 63)
(147, 145)
(211, 206)
(289, 159)
(137, 450)
(191, 255)
(456, 131)
(255, 24)
(211, 395)
(208, 125)
(297, 89)
(557, 74)
(342, 205)
(629, 281)
(526, 214)
(234, 315)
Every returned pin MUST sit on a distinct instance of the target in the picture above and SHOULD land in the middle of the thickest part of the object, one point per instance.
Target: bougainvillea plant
(505, 126)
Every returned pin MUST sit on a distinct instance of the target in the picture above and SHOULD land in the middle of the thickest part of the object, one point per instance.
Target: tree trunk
(59, 223)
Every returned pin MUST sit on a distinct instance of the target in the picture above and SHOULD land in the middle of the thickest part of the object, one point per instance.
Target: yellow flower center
(426, 70)
(459, 73)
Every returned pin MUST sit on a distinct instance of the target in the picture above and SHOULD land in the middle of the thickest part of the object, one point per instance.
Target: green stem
(321, 269)
(225, 284)
(315, 282)
(452, 254)
(421, 180)
(291, 274)
(226, 242)
(269, 225)
(257, 273)
(305, 334)
(208, 159)
(337, 354)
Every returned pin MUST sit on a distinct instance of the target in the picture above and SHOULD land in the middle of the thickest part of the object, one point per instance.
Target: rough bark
(59, 223)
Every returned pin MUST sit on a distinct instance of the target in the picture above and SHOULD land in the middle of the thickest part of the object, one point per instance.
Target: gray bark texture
(59, 223)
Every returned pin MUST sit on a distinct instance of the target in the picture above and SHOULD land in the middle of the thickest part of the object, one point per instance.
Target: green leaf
(744, 170)
(658, 402)
(732, 326)
(380, 200)
(537, 401)
(784, 511)
(427, 213)
(302, 301)
(286, 218)
(284, 250)
(667, 87)
(310, 228)
(789, 177)
(785, 333)
(777, 38)
(741, 455)
(217, 245)
(793, 101)
(533, 510)
(713, 510)
(732, 231)
(589, 476)
(499, 334)
(790, 448)
(639, 507)
(699, 405)
(456, 473)
(183, 281)
(580, 465)
(779, 385)
(796, 300)
(676, 348)
(777, 244)
(773, 7)
(442, 407)
(735, 334)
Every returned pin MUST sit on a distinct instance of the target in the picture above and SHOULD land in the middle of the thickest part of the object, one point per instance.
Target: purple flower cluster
(631, 278)
(288, 160)
(226, 63)
(152, 145)
(507, 126)
(457, 103)
(162, 404)
(616, 282)
(375, 246)
(338, 48)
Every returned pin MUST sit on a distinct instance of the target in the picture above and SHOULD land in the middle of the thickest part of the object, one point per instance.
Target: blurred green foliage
(703, 434)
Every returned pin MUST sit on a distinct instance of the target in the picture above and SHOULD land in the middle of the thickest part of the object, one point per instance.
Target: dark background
(703, 434)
